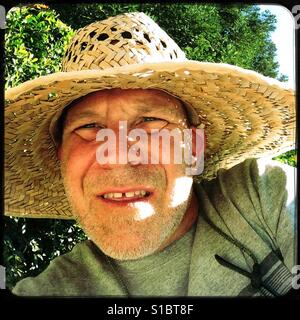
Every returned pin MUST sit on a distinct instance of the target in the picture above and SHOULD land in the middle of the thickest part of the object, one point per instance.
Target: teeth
(117, 195)
(130, 194)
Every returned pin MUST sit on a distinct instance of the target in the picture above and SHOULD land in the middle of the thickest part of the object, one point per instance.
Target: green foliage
(289, 158)
(238, 34)
(35, 43)
(30, 244)
(80, 15)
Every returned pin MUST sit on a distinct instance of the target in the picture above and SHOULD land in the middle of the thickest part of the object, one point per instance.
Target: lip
(125, 201)
(125, 189)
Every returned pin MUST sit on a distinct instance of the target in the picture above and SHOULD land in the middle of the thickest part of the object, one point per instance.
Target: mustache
(152, 176)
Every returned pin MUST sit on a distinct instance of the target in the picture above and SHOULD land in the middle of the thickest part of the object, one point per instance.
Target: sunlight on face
(181, 191)
(145, 210)
(99, 194)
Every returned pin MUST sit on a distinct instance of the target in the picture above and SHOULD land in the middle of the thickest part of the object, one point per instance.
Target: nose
(119, 149)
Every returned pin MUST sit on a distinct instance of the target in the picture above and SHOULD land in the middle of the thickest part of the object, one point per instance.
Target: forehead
(128, 101)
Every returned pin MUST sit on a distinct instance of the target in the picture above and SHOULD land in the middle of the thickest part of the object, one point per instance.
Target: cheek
(174, 173)
(171, 157)
(169, 146)
(76, 158)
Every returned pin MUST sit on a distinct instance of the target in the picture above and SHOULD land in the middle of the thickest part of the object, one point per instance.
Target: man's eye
(146, 119)
(88, 131)
(89, 126)
(148, 123)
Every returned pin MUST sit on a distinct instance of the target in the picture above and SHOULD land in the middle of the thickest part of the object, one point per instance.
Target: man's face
(128, 210)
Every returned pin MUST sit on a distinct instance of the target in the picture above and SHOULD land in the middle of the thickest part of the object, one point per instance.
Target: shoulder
(270, 182)
(262, 178)
(63, 275)
(253, 202)
(253, 170)
(263, 169)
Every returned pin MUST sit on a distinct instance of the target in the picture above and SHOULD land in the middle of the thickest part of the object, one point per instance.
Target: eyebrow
(147, 108)
(81, 115)
(84, 114)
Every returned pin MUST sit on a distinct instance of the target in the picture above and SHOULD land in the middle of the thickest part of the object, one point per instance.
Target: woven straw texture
(245, 114)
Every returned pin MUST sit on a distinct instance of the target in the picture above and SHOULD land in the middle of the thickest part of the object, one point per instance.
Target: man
(154, 227)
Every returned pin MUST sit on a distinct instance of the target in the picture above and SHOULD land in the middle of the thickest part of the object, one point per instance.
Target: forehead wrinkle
(141, 108)
(124, 109)
(87, 113)
(175, 112)
(90, 107)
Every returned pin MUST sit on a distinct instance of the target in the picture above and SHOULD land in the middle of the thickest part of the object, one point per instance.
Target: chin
(128, 249)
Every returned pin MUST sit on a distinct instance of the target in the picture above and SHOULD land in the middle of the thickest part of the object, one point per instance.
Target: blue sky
(283, 37)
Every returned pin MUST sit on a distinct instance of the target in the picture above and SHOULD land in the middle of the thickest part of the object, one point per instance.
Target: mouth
(119, 196)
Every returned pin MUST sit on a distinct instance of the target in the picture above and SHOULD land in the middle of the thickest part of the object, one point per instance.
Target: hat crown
(130, 38)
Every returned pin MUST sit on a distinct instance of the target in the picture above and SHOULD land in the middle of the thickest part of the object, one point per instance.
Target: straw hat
(245, 114)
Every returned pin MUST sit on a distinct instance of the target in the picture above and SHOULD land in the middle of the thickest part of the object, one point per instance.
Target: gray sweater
(246, 216)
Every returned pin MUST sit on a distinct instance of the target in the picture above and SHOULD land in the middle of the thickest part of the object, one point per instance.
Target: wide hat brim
(245, 115)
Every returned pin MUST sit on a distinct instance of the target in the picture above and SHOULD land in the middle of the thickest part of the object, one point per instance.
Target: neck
(188, 220)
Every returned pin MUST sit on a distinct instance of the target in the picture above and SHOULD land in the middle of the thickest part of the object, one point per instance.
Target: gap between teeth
(131, 194)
